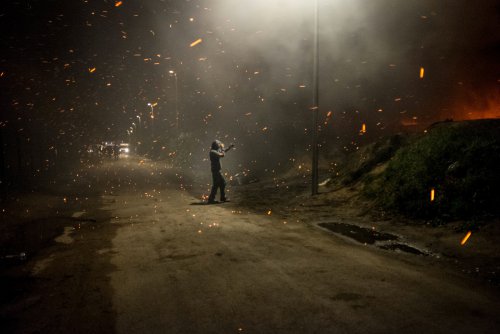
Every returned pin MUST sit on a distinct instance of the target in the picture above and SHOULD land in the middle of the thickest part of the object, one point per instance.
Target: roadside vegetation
(449, 172)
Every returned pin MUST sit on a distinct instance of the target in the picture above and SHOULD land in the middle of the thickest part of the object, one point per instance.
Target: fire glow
(483, 107)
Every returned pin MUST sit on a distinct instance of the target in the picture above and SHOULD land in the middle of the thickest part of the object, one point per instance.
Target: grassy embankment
(460, 161)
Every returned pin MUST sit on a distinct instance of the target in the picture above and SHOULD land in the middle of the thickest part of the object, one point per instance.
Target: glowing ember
(198, 41)
(422, 72)
(269, 212)
(118, 3)
(92, 70)
(467, 236)
(432, 194)
(363, 128)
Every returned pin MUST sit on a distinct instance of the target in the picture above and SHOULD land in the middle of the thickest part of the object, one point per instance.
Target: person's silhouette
(217, 152)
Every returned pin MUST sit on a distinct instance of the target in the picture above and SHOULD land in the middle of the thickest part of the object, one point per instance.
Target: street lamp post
(152, 105)
(315, 147)
(176, 99)
(152, 109)
(138, 135)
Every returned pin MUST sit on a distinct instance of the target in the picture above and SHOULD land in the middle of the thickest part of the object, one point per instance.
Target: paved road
(165, 264)
(184, 268)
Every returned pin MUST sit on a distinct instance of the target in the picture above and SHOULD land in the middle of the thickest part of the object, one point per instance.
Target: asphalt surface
(148, 257)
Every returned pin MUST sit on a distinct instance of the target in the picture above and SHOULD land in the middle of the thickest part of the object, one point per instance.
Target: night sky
(79, 72)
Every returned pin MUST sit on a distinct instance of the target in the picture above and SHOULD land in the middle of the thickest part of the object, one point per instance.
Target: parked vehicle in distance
(124, 149)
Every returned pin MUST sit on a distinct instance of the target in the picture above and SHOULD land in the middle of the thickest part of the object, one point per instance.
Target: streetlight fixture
(171, 72)
(152, 105)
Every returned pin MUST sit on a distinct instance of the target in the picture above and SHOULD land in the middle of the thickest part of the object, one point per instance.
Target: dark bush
(460, 160)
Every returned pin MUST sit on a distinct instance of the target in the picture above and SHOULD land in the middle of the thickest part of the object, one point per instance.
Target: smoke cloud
(80, 72)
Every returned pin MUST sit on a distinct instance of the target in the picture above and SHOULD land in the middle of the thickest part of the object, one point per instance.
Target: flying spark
(118, 3)
(433, 192)
(422, 71)
(198, 41)
(467, 236)
(92, 70)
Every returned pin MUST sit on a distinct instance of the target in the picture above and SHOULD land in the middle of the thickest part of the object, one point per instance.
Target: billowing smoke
(384, 66)
(81, 72)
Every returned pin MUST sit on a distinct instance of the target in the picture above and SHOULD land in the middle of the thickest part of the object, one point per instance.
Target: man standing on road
(217, 152)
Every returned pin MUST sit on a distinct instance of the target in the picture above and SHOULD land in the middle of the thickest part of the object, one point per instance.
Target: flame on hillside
(480, 108)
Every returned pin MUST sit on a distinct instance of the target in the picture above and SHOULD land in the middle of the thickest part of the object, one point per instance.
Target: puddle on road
(65, 238)
(371, 237)
(402, 248)
(78, 214)
(360, 234)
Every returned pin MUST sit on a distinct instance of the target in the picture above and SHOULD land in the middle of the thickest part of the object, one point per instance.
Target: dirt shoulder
(290, 199)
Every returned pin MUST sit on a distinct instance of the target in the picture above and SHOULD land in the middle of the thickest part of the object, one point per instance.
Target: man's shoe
(225, 200)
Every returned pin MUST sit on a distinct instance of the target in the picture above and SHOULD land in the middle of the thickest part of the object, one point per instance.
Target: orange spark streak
(432, 194)
(467, 236)
(422, 71)
(118, 3)
(198, 41)
(363, 128)
(92, 70)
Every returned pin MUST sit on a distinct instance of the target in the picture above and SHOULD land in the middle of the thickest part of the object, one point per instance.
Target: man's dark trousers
(217, 182)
